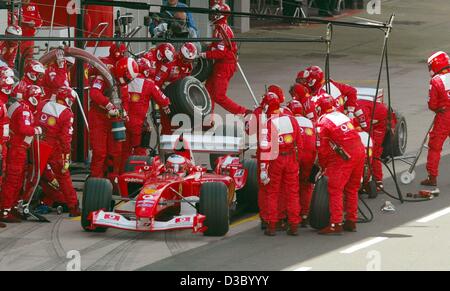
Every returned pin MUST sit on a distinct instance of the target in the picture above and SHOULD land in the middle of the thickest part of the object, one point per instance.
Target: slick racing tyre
(396, 143)
(134, 161)
(97, 195)
(319, 216)
(249, 194)
(214, 205)
(189, 96)
(202, 67)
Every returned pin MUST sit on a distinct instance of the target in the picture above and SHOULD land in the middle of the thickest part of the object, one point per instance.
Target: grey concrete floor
(392, 242)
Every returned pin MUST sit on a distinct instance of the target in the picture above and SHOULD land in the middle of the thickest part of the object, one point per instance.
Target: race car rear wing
(204, 143)
(369, 93)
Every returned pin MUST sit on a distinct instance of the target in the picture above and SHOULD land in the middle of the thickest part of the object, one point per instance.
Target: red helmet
(117, 51)
(218, 17)
(277, 90)
(66, 96)
(145, 67)
(6, 71)
(14, 30)
(127, 69)
(34, 70)
(299, 92)
(270, 103)
(188, 52)
(438, 62)
(301, 77)
(33, 96)
(315, 78)
(177, 164)
(296, 108)
(325, 104)
(165, 52)
(6, 84)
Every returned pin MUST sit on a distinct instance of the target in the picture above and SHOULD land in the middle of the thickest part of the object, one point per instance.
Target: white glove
(166, 110)
(60, 57)
(37, 130)
(112, 110)
(160, 29)
(201, 56)
(264, 176)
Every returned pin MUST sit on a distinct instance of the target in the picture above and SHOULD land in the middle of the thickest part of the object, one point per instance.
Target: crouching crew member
(341, 156)
(56, 120)
(279, 141)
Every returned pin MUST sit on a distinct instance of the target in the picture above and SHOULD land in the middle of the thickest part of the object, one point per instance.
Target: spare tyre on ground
(319, 215)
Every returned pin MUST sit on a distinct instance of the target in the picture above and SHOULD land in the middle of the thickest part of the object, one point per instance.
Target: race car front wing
(114, 220)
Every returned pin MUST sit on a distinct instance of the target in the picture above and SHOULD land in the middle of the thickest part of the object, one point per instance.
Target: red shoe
(305, 222)
(332, 229)
(293, 229)
(74, 211)
(271, 229)
(430, 181)
(9, 217)
(349, 226)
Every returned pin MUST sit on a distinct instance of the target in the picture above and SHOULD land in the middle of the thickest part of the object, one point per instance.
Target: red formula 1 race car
(177, 194)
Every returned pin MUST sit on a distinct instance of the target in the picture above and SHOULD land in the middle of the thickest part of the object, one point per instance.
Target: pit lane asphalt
(420, 29)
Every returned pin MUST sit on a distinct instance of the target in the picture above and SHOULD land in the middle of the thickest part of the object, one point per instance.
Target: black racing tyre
(214, 205)
(249, 194)
(189, 96)
(202, 69)
(134, 161)
(319, 215)
(396, 143)
(97, 195)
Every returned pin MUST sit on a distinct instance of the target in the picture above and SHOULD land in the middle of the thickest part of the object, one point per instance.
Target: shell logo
(309, 132)
(51, 121)
(135, 97)
(288, 139)
(86, 73)
(350, 125)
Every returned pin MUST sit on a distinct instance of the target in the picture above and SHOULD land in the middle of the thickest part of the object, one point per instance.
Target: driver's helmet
(177, 164)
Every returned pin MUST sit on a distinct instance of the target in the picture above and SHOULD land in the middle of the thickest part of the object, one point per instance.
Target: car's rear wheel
(214, 205)
(319, 216)
(97, 195)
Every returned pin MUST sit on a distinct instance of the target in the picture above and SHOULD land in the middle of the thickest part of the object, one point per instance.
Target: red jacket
(141, 91)
(99, 100)
(31, 19)
(279, 135)
(439, 95)
(334, 128)
(223, 52)
(172, 72)
(345, 96)
(8, 53)
(55, 78)
(56, 121)
(4, 122)
(308, 134)
(21, 124)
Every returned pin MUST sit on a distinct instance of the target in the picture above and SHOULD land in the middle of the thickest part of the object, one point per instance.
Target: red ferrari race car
(177, 194)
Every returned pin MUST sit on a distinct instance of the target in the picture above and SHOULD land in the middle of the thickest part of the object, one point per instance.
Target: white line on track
(434, 215)
(363, 245)
(303, 269)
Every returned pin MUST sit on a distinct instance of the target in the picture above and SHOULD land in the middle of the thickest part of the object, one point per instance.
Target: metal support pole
(247, 84)
(80, 154)
(329, 38)
(51, 25)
